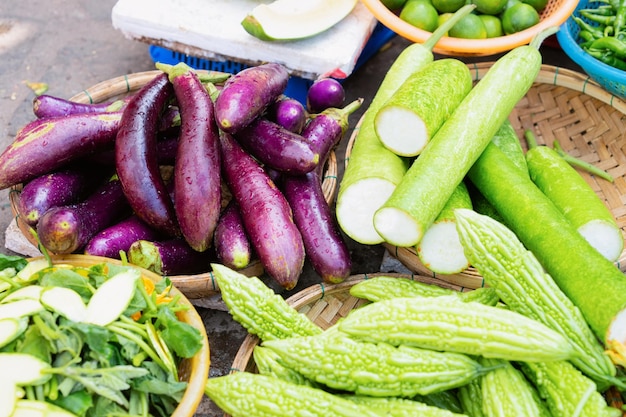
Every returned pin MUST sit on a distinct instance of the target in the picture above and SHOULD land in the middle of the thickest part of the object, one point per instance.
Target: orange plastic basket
(553, 15)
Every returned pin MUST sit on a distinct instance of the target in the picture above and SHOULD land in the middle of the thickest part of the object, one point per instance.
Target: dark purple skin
(266, 214)
(168, 257)
(197, 176)
(67, 229)
(45, 145)
(118, 237)
(277, 147)
(136, 156)
(231, 243)
(51, 106)
(289, 113)
(166, 153)
(323, 94)
(327, 128)
(324, 245)
(58, 188)
(247, 94)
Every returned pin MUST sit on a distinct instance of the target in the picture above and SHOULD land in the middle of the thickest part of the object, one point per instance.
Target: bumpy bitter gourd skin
(375, 369)
(448, 324)
(259, 309)
(567, 391)
(400, 407)
(384, 288)
(524, 286)
(506, 392)
(244, 394)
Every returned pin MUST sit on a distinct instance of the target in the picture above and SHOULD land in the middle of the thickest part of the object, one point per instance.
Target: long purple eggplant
(324, 245)
(58, 188)
(44, 145)
(197, 176)
(67, 229)
(277, 147)
(231, 242)
(266, 214)
(247, 94)
(118, 237)
(136, 156)
(46, 105)
(169, 257)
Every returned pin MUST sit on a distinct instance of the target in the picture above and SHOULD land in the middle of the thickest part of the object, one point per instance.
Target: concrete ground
(71, 45)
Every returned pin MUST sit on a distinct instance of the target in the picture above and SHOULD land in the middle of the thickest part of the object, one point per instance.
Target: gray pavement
(71, 45)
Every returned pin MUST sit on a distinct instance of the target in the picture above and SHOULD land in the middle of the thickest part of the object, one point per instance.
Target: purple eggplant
(266, 214)
(59, 188)
(327, 128)
(197, 177)
(67, 229)
(168, 257)
(277, 147)
(288, 113)
(136, 156)
(118, 237)
(325, 93)
(45, 106)
(231, 242)
(247, 94)
(45, 145)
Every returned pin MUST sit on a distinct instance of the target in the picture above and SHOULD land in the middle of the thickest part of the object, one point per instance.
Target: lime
(519, 17)
(469, 27)
(493, 24)
(539, 5)
(393, 4)
(490, 6)
(420, 14)
(448, 6)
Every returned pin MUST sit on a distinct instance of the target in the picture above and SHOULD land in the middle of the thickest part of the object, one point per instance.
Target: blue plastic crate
(297, 86)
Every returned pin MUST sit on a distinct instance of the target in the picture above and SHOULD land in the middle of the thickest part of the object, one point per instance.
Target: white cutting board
(211, 29)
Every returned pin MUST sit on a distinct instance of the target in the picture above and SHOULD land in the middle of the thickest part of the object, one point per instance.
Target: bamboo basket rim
(560, 80)
(193, 286)
(194, 370)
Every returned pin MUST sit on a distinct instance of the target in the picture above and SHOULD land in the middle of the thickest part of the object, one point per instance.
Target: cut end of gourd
(440, 249)
(356, 207)
(112, 298)
(605, 236)
(401, 131)
(397, 227)
(285, 20)
(616, 339)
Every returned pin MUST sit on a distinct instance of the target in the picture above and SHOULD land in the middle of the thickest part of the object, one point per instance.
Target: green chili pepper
(593, 30)
(586, 36)
(608, 59)
(606, 20)
(605, 10)
(614, 45)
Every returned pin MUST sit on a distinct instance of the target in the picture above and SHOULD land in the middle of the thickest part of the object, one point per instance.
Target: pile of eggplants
(191, 169)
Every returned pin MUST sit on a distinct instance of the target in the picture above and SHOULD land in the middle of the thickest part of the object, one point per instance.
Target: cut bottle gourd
(112, 298)
(66, 302)
(11, 328)
(295, 19)
(23, 368)
(34, 408)
(20, 308)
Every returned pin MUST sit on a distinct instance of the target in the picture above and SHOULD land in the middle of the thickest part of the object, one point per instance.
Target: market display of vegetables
(223, 144)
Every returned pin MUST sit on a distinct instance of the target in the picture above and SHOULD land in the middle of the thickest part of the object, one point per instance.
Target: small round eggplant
(289, 113)
(325, 93)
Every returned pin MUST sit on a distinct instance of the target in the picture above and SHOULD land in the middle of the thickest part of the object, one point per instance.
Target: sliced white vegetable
(34, 408)
(8, 397)
(31, 268)
(20, 308)
(29, 292)
(295, 19)
(66, 302)
(440, 249)
(112, 298)
(23, 369)
(605, 236)
(11, 328)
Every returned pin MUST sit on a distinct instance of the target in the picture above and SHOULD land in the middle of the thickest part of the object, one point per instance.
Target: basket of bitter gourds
(563, 110)
(393, 344)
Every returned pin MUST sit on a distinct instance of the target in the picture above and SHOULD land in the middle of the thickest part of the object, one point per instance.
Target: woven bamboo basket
(193, 286)
(194, 370)
(587, 121)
